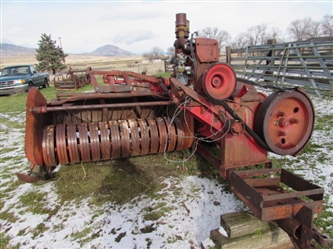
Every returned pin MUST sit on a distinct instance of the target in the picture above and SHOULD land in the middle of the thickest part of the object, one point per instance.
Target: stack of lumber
(244, 230)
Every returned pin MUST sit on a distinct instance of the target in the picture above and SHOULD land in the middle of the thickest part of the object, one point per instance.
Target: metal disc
(154, 140)
(72, 143)
(163, 135)
(125, 139)
(135, 138)
(285, 121)
(84, 142)
(61, 145)
(189, 132)
(105, 140)
(115, 139)
(180, 134)
(94, 142)
(45, 145)
(48, 148)
(144, 136)
(172, 136)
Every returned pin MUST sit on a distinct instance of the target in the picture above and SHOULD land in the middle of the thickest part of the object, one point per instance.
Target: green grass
(164, 75)
(34, 202)
(116, 181)
(4, 240)
(79, 235)
(322, 122)
(8, 216)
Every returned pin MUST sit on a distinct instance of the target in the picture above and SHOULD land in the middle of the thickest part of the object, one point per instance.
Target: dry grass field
(82, 61)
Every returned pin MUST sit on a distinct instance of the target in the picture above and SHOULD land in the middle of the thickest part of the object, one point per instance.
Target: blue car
(20, 78)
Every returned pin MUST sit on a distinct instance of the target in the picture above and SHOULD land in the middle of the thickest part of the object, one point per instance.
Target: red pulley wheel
(285, 120)
(219, 81)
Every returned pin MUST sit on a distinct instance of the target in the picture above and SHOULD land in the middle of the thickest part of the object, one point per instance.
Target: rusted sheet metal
(33, 127)
(269, 200)
(74, 79)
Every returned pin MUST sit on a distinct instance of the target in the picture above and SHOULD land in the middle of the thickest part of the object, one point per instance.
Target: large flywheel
(219, 81)
(285, 122)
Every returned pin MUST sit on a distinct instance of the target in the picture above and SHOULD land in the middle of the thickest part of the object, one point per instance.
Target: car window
(32, 69)
(6, 72)
(22, 70)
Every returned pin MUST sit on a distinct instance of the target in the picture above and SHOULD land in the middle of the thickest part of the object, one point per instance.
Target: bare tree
(255, 35)
(327, 25)
(276, 33)
(240, 41)
(154, 53)
(313, 30)
(221, 36)
(171, 51)
(302, 29)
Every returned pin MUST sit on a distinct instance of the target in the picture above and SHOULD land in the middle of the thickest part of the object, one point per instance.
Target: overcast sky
(138, 26)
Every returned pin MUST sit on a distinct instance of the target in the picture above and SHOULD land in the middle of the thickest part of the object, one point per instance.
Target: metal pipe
(45, 109)
(291, 226)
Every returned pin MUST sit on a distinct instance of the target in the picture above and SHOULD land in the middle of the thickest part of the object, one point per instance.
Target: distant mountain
(110, 50)
(107, 50)
(10, 49)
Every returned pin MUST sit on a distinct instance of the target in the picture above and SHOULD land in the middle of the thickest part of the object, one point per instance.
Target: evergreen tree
(49, 56)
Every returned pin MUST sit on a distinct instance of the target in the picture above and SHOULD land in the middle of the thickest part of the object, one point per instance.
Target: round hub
(219, 81)
(285, 121)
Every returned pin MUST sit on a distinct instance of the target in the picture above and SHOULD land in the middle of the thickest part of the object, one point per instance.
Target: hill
(11, 49)
(110, 50)
(106, 50)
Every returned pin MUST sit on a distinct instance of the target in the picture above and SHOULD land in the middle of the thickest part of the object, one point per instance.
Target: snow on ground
(193, 204)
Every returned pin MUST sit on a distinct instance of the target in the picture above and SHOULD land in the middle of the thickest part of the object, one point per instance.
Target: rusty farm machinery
(73, 79)
(203, 101)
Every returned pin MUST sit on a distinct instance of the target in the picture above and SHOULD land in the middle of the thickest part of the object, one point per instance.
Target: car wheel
(30, 85)
(46, 83)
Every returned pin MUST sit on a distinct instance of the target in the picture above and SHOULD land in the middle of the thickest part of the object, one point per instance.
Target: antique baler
(202, 102)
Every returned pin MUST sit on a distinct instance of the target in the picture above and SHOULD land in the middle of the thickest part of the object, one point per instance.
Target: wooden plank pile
(244, 230)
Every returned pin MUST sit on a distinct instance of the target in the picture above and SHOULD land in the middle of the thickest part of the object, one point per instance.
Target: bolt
(280, 114)
(294, 121)
(282, 133)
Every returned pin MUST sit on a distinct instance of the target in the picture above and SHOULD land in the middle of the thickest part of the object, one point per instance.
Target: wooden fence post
(271, 53)
(228, 55)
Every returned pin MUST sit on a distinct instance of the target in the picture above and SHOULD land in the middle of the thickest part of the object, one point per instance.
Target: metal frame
(303, 63)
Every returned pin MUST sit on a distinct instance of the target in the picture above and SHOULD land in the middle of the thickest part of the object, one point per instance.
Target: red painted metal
(133, 114)
(219, 81)
(285, 121)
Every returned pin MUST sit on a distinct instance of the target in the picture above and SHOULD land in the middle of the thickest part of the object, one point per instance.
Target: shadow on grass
(116, 181)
